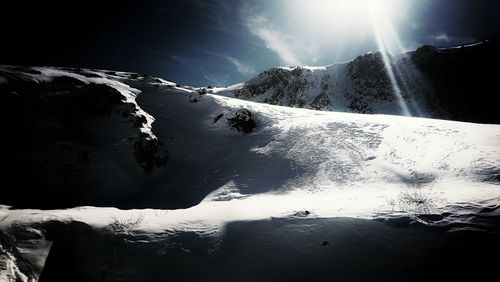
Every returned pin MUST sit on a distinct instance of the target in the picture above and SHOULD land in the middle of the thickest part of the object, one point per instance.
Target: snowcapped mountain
(450, 83)
(79, 137)
(87, 137)
(360, 86)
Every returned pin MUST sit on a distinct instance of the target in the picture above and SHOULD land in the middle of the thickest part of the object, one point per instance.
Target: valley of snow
(297, 163)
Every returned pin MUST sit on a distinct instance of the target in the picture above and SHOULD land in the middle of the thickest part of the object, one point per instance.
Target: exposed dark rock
(60, 135)
(148, 153)
(370, 83)
(218, 117)
(284, 84)
(304, 213)
(140, 121)
(452, 83)
(195, 97)
(462, 79)
(8, 251)
(242, 121)
(23, 232)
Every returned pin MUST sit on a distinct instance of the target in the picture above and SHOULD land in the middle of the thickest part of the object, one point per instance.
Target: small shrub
(414, 200)
(125, 225)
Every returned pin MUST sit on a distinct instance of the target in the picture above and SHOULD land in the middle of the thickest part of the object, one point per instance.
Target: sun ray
(389, 45)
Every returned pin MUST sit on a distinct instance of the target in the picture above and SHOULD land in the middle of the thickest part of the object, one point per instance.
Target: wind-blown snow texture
(79, 137)
(453, 83)
(125, 140)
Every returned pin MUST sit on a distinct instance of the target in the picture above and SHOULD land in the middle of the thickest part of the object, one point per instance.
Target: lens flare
(389, 45)
(336, 26)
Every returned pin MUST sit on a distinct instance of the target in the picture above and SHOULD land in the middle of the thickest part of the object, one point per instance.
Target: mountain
(117, 176)
(452, 83)
(104, 138)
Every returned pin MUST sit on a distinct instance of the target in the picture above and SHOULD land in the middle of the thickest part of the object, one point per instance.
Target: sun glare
(335, 25)
(343, 17)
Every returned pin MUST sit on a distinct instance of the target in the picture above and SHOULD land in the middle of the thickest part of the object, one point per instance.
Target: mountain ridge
(434, 82)
(108, 138)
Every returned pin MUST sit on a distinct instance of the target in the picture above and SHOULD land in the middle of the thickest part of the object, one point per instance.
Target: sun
(333, 21)
(342, 18)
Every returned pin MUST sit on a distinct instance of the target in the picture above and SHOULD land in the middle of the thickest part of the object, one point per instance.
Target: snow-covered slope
(70, 144)
(122, 140)
(78, 129)
(439, 83)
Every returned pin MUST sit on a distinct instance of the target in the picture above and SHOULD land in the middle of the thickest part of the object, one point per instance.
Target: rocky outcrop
(148, 153)
(73, 131)
(242, 121)
(463, 79)
(279, 86)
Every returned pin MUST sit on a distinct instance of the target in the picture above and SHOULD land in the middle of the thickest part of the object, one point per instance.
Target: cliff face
(463, 79)
(453, 83)
(75, 128)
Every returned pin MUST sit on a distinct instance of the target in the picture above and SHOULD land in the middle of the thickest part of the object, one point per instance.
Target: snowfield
(294, 176)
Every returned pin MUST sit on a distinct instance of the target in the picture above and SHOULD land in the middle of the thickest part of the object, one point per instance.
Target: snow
(128, 92)
(10, 271)
(465, 45)
(223, 90)
(352, 86)
(315, 68)
(330, 164)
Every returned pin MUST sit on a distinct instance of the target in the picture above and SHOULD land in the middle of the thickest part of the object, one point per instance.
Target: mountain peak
(425, 79)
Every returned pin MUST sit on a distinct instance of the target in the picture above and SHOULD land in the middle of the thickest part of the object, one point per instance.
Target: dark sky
(220, 42)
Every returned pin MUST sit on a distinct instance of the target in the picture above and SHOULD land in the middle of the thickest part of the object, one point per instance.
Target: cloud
(446, 39)
(443, 37)
(182, 60)
(289, 48)
(244, 69)
(217, 80)
(278, 43)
